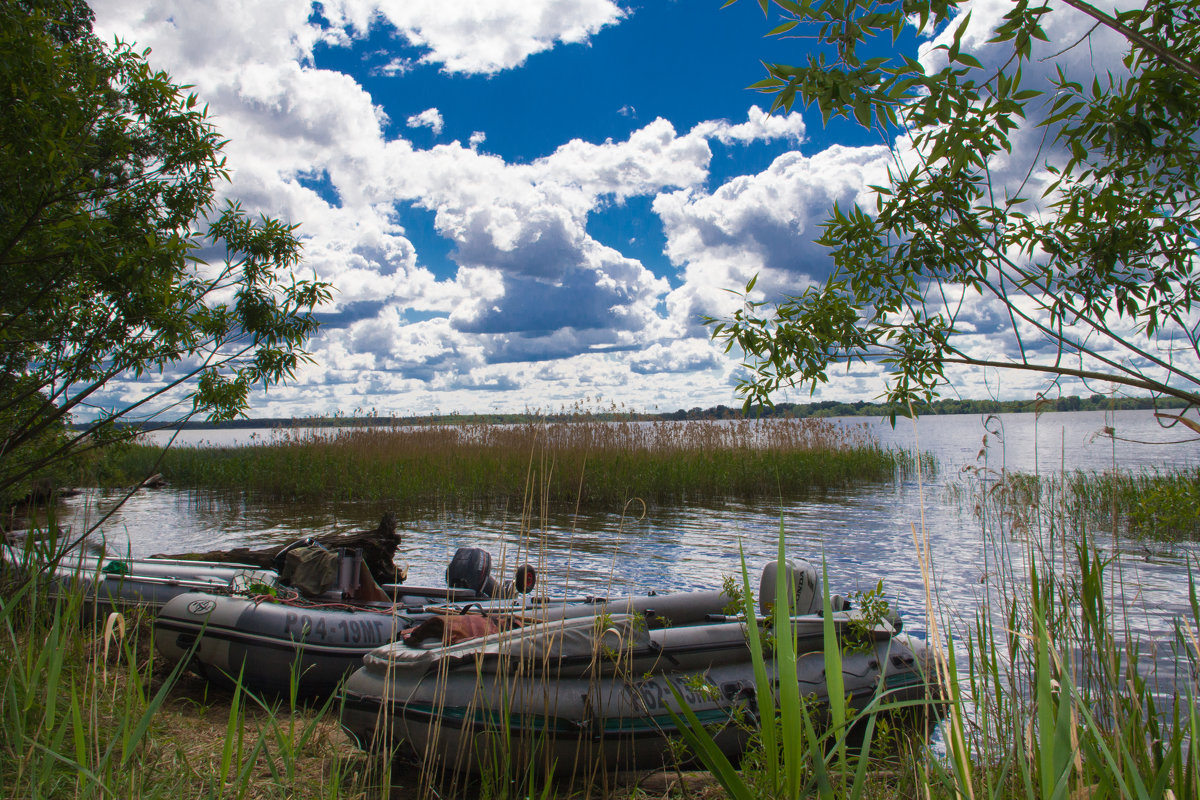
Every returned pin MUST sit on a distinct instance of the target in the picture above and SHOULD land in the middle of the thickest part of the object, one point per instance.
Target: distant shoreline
(827, 408)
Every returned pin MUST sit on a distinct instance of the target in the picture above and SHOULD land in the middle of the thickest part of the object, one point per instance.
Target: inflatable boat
(277, 638)
(271, 642)
(116, 584)
(112, 583)
(581, 691)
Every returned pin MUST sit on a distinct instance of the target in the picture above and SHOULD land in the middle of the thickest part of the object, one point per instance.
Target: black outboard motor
(471, 568)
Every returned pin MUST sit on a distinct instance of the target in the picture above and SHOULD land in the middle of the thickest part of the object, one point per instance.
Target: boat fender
(470, 568)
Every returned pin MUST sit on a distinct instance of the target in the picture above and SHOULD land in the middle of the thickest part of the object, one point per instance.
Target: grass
(803, 747)
(1066, 699)
(584, 462)
(88, 712)
(1150, 505)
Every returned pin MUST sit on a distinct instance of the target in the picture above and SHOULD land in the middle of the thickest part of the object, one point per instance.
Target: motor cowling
(802, 581)
(471, 568)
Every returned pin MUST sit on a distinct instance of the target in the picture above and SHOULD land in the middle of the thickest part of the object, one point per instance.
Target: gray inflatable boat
(585, 690)
(116, 584)
(274, 641)
(269, 642)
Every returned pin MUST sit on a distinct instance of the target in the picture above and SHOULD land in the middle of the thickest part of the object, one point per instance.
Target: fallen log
(378, 549)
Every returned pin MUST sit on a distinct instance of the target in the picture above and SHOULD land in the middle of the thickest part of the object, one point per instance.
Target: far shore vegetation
(819, 409)
(599, 460)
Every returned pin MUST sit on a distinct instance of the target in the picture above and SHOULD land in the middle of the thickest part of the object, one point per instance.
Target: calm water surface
(865, 534)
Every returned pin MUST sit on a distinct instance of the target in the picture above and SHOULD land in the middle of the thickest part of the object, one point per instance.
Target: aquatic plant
(1049, 691)
(1150, 505)
(575, 462)
(803, 745)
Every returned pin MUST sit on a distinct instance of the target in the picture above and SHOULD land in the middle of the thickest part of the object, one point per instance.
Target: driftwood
(378, 549)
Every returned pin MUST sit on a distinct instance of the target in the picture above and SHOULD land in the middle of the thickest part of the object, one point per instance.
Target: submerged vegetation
(584, 462)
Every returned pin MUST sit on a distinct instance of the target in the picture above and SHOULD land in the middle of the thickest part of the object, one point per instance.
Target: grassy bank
(592, 463)
(86, 711)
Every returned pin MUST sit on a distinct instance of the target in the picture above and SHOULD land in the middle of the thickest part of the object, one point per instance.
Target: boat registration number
(655, 694)
(346, 631)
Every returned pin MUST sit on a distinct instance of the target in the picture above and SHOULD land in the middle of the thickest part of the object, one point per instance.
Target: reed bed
(586, 463)
(1067, 689)
(1161, 506)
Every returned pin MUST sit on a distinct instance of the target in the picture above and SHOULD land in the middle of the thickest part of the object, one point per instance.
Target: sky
(530, 204)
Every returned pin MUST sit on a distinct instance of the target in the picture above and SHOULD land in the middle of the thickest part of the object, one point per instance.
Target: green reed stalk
(1047, 695)
(803, 746)
(1064, 704)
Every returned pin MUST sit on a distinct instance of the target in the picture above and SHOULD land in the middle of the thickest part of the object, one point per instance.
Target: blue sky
(522, 204)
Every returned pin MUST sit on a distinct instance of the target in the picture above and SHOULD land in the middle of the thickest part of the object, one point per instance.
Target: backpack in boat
(311, 570)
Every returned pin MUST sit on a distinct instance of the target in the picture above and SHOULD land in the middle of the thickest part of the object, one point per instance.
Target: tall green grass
(1154, 505)
(804, 748)
(1067, 699)
(87, 712)
(1050, 693)
(581, 462)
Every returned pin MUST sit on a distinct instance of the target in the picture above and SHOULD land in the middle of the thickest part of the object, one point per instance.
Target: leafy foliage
(1096, 272)
(108, 193)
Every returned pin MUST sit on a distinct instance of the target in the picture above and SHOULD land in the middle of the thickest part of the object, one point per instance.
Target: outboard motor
(471, 568)
(805, 586)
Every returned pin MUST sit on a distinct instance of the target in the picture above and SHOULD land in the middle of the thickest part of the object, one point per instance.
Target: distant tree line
(860, 408)
(824, 408)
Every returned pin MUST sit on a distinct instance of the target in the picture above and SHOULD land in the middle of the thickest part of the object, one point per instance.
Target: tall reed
(1067, 699)
(589, 462)
(802, 746)
(1050, 690)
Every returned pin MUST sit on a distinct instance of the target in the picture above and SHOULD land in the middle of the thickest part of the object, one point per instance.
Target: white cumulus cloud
(429, 118)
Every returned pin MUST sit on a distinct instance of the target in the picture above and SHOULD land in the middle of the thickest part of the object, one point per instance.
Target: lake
(865, 534)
